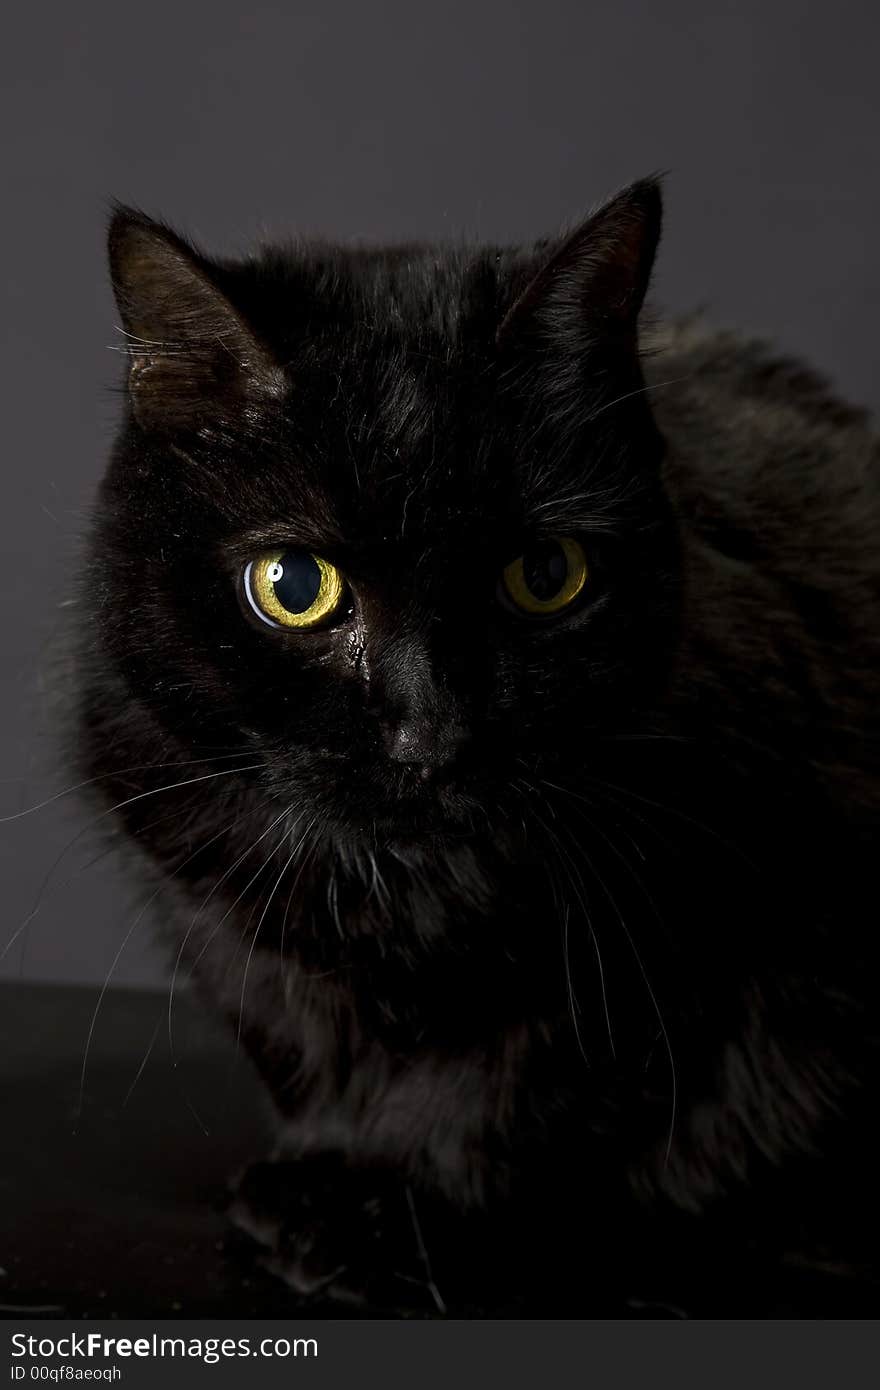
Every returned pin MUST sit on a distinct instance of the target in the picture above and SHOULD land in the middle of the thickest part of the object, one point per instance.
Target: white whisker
(119, 772)
(125, 940)
(241, 858)
(286, 866)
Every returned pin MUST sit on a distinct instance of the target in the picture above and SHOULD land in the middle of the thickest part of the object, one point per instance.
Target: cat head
(389, 518)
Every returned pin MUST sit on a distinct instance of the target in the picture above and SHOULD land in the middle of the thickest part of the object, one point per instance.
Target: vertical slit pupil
(299, 583)
(545, 569)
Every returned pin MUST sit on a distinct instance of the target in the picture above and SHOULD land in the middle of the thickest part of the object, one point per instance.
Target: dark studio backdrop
(487, 119)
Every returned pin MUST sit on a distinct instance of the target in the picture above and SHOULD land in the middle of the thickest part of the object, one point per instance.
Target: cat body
(528, 916)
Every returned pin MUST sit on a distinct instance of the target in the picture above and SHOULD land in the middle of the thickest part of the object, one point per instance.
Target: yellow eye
(547, 577)
(293, 588)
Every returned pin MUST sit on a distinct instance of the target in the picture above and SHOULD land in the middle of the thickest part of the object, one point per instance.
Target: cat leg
(332, 1230)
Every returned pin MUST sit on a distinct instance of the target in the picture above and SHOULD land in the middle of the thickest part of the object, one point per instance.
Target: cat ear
(195, 363)
(591, 289)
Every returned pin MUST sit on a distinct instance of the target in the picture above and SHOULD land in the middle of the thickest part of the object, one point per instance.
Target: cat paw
(337, 1233)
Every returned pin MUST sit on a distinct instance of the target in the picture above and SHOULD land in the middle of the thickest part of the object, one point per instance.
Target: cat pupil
(545, 569)
(298, 582)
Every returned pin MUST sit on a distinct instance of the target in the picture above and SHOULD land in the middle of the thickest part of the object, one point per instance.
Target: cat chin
(416, 837)
(377, 817)
(425, 832)
(416, 846)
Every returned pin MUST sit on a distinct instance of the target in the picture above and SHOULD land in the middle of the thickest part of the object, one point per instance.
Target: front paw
(345, 1234)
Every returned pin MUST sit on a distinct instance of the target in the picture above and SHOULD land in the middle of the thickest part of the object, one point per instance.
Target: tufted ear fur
(592, 287)
(570, 338)
(194, 359)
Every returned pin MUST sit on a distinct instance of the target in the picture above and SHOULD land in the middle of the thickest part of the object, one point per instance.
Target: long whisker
(579, 890)
(670, 810)
(290, 858)
(573, 1004)
(423, 1252)
(241, 858)
(44, 890)
(640, 963)
(177, 962)
(144, 1060)
(564, 913)
(285, 973)
(125, 940)
(129, 801)
(640, 391)
(118, 772)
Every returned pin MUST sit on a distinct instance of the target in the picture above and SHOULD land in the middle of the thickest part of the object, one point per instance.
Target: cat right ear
(195, 362)
(591, 289)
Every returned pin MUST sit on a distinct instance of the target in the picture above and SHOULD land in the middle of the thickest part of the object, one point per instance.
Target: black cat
(494, 696)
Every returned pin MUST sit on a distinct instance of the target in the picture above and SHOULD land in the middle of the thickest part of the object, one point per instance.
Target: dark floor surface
(112, 1206)
(112, 1194)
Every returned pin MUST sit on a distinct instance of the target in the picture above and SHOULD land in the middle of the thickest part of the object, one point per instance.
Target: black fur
(560, 932)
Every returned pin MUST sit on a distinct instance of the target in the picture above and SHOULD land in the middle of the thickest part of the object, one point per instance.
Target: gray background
(386, 120)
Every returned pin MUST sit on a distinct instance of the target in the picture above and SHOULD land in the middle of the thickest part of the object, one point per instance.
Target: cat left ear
(195, 361)
(591, 289)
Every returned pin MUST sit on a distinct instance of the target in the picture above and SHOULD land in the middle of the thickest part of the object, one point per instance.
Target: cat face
(391, 520)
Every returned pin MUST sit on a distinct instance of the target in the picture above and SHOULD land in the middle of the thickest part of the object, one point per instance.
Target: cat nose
(427, 747)
(422, 721)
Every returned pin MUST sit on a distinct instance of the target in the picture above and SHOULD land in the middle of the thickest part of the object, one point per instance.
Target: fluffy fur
(557, 935)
